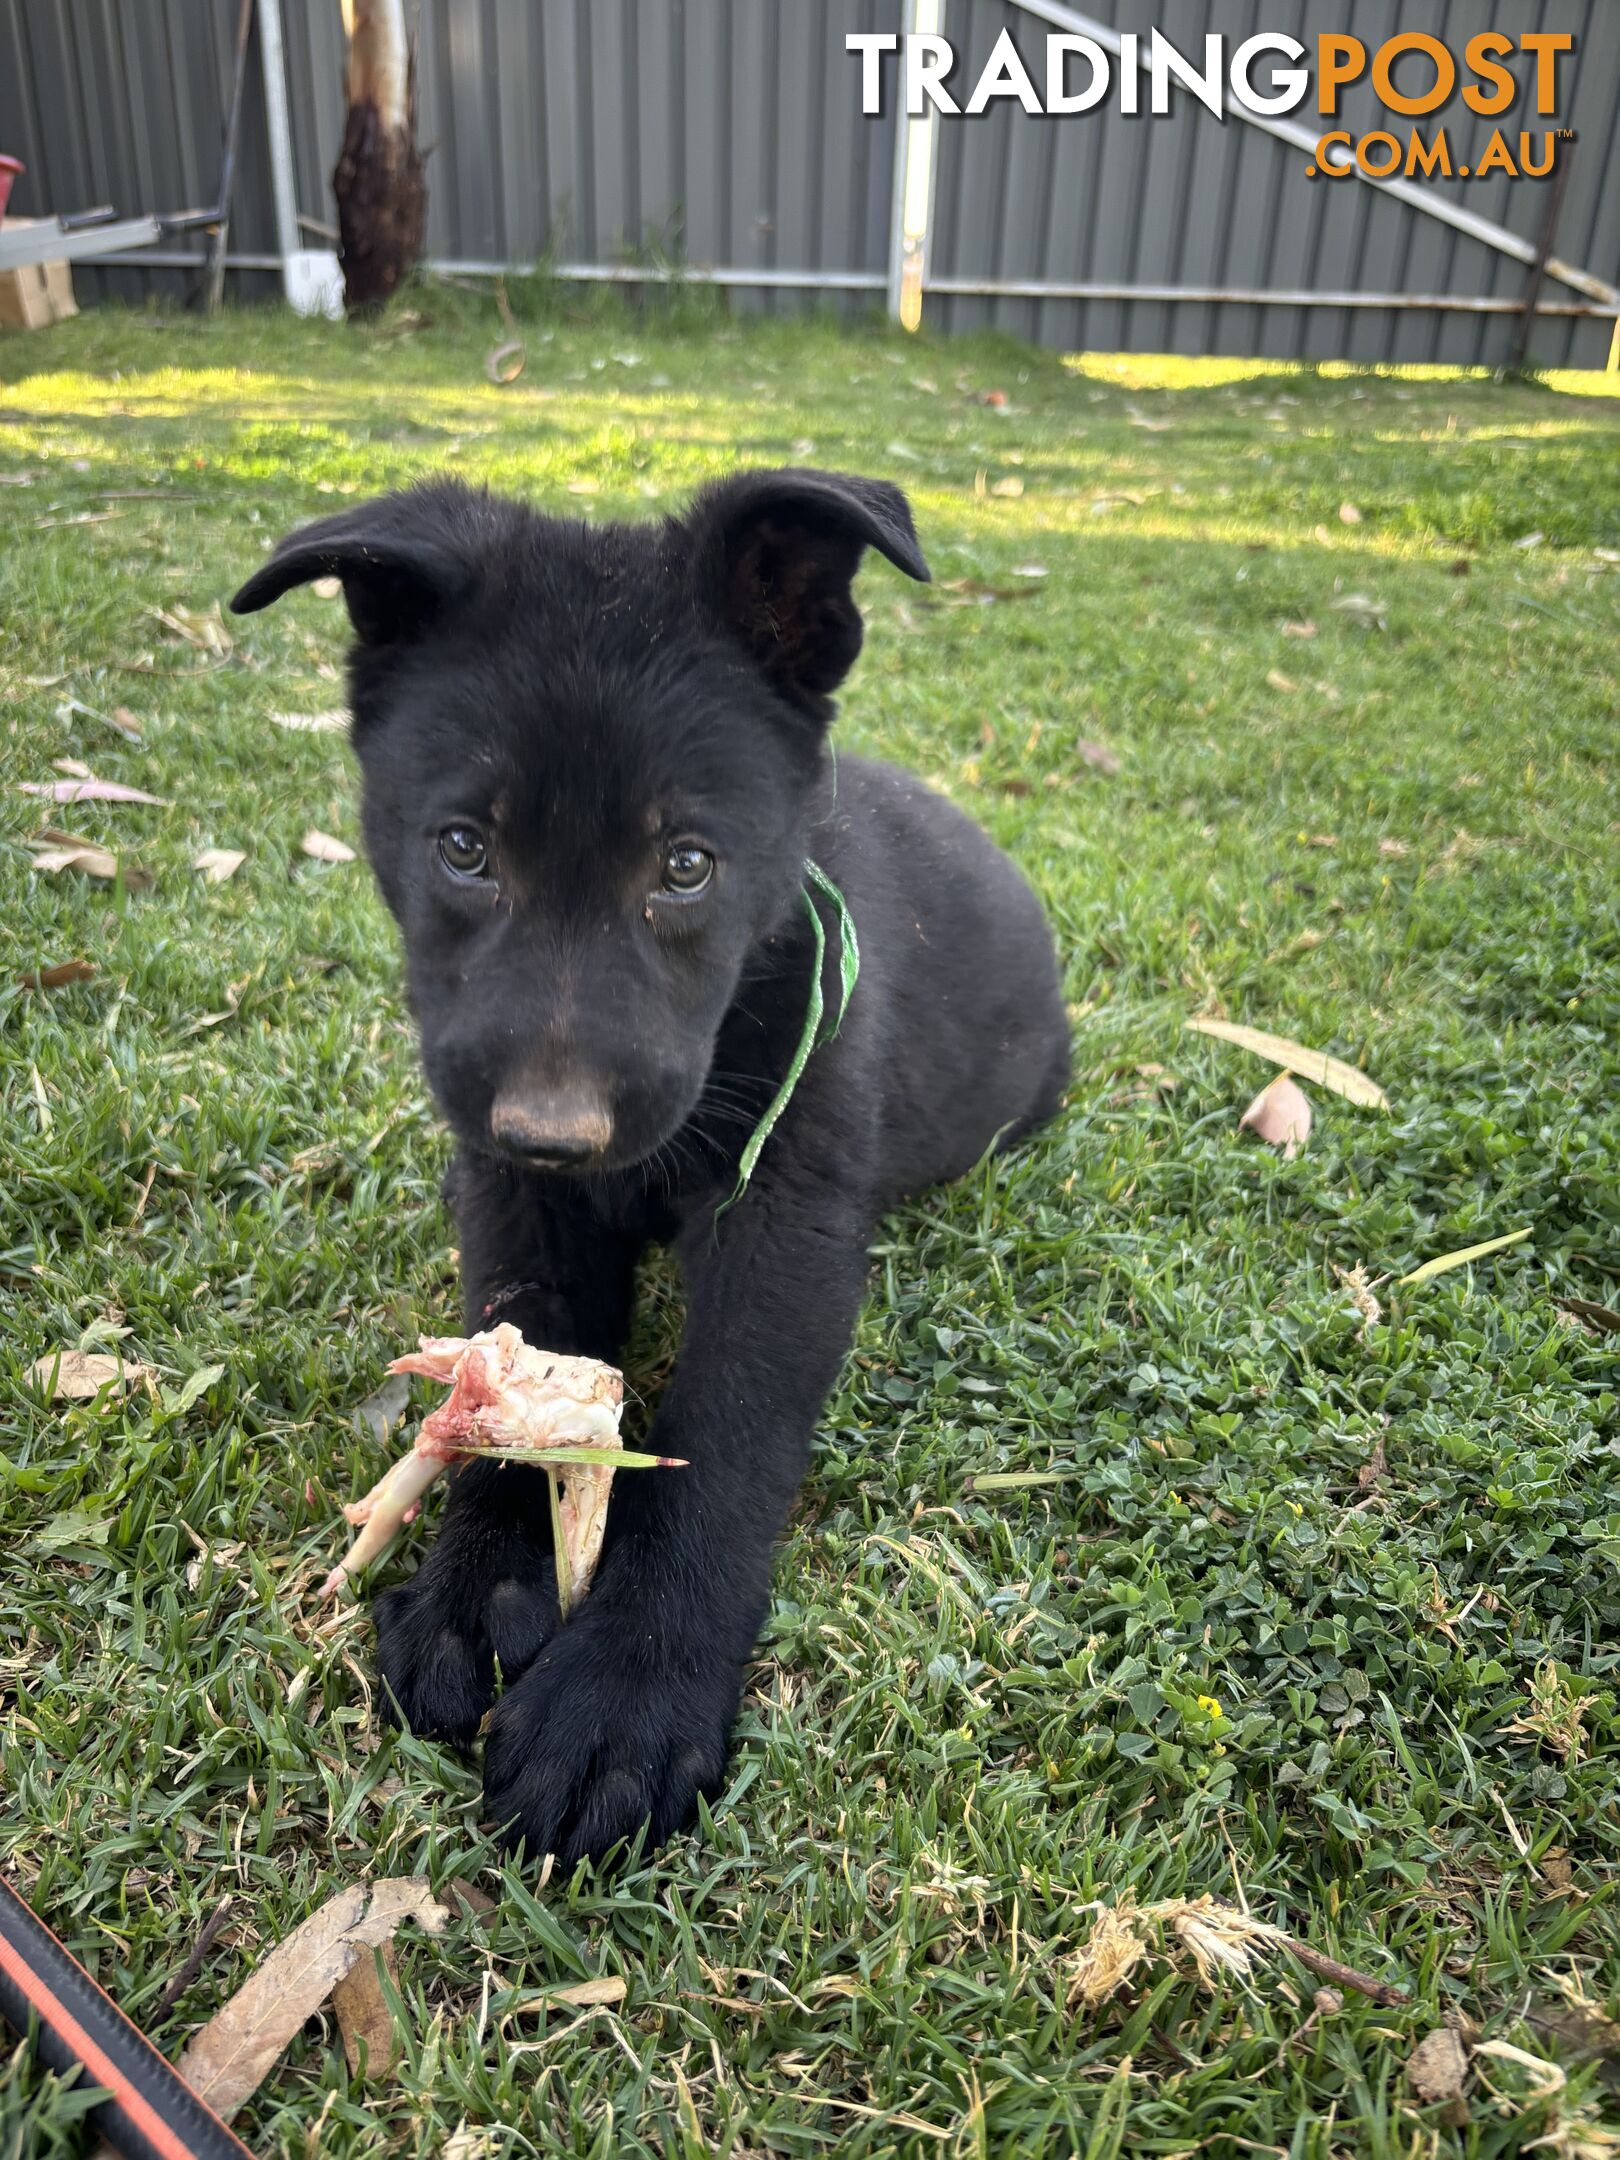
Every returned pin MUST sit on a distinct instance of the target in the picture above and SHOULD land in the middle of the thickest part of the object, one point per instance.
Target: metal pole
(278, 124)
(902, 153)
(220, 237)
(916, 162)
(1525, 328)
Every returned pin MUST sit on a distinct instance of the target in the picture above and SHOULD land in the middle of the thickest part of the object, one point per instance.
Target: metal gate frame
(1599, 297)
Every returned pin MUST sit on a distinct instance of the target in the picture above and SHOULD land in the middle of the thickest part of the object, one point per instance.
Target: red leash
(151, 2113)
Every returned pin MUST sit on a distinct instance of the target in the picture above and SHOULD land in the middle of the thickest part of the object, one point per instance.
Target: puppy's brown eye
(462, 851)
(687, 869)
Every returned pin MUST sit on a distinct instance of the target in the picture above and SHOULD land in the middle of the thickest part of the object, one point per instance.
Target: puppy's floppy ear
(776, 553)
(398, 558)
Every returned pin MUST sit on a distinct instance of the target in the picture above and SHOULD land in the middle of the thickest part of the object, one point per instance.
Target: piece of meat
(508, 1400)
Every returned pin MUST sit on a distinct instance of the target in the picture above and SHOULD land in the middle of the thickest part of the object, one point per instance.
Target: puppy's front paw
(440, 1635)
(592, 1744)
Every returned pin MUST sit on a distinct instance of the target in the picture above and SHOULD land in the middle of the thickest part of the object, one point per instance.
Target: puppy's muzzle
(562, 1131)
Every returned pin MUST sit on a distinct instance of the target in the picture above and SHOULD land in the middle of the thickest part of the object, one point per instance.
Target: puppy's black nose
(553, 1132)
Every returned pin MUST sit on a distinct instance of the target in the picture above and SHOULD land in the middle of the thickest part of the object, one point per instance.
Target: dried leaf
(235, 2051)
(1447, 1261)
(382, 1411)
(1601, 1319)
(1279, 681)
(219, 863)
(1375, 1469)
(201, 627)
(90, 790)
(1098, 756)
(1281, 1115)
(469, 2144)
(1299, 629)
(1580, 2025)
(58, 975)
(311, 723)
(125, 722)
(1011, 487)
(1393, 848)
(323, 848)
(92, 860)
(81, 1375)
(603, 1993)
(475, 1902)
(1365, 612)
(75, 768)
(1559, 1877)
(370, 2041)
(218, 1556)
(1327, 1072)
(1437, 2068)
(1349, 514)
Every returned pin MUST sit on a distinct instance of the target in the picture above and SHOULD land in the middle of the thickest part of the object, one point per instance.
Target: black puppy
(595, 766)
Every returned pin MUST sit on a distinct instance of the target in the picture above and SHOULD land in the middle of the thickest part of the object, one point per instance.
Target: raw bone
(506, 1398)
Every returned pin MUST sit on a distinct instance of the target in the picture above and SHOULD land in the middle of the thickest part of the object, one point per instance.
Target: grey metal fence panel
(723, 132)
(125, 104)
(1216, 203)
(728, 133)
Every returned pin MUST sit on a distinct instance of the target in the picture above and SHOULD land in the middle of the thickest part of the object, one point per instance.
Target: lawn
(1296, 695)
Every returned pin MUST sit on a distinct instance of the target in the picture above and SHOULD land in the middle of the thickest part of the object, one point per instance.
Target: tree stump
(379, 181)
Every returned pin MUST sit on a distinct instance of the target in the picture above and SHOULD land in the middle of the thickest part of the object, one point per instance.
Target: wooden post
(220, 238)
(379, 185)
(911, 204)
(1524, 329)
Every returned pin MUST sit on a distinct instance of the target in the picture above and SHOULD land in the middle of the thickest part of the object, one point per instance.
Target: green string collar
(811, 1036)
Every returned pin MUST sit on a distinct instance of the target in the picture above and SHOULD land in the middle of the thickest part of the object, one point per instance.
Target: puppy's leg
(533, 1255)
(623, 1717)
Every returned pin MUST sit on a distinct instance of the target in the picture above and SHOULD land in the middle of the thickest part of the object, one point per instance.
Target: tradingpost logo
(1417, 78)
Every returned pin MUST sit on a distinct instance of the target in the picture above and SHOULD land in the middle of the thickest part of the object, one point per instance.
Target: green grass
(1215, 1657)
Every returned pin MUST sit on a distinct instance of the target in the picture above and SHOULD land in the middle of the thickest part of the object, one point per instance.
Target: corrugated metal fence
(726, 136)
(1193, 201)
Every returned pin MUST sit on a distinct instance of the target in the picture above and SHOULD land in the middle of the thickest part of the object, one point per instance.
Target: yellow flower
(1210, 1706)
